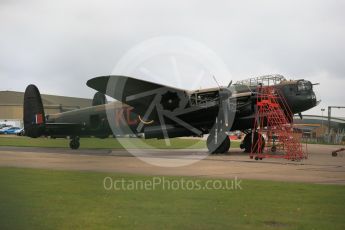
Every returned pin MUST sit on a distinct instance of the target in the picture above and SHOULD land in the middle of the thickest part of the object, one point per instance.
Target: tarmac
(320, 167)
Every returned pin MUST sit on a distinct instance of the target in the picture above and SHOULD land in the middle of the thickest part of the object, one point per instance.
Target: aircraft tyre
(74, 143)
(247, 142)
(214, 148)
(225, 146)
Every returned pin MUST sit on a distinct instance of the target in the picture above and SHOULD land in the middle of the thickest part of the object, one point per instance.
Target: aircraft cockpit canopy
(266, 80)
(304, 85)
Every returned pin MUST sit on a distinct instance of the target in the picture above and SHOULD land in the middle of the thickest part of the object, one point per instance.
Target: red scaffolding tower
(273, 134)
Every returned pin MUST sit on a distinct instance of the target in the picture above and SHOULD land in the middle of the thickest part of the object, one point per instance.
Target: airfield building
(11, 106)
(315, 128)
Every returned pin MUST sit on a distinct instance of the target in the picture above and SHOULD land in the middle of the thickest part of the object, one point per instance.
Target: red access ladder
(273, 119)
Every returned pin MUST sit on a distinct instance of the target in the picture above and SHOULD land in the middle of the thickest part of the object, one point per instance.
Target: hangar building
(315, 128)
(11, 106)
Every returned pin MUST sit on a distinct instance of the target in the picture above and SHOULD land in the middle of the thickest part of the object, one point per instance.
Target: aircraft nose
(312, 99)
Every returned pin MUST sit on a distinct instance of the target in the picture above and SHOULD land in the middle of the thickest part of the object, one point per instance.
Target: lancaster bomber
(159, 111)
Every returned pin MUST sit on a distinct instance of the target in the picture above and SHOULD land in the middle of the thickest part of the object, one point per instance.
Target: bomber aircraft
(159, 111)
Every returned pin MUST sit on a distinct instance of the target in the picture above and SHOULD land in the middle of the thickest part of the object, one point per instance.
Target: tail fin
(99, 99)
(34, 117)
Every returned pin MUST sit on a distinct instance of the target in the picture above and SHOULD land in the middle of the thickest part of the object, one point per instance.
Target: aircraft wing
(137, 93)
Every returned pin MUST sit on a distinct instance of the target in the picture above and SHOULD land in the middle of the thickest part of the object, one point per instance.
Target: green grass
(109, 143)
(43, 199)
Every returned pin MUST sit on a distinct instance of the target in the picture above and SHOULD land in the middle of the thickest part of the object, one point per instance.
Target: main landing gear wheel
(247, 142)
(274, 149)
(74, 143)
(221, 144)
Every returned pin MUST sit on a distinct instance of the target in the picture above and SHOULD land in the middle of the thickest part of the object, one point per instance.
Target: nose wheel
(74, 143)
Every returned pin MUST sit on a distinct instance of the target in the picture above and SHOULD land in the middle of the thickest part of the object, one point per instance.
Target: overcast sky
(59, 45)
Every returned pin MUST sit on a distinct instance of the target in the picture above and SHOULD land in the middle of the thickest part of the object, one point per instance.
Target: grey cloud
(59, 45)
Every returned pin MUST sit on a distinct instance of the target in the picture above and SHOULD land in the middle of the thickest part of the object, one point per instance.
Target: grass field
(109, 143)
(43, 199)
